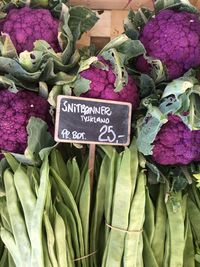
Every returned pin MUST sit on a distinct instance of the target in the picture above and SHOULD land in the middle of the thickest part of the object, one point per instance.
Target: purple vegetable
(15, 112)
(174, 38)
(176, 143)
(102, 86)
(26, 25)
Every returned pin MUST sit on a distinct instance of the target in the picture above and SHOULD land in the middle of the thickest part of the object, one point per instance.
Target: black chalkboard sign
(86, 120)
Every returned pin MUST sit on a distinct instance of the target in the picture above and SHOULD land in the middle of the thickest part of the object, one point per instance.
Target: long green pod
(60, 240)
(37, 256)
(194, 216)
(9, 242)
(148, 255)
(189, 251)
(70, 202)
(50, 241)
(115, 163)
(47, 261)
(57, 162)
(98, 210)
(120, 216)
(75, 179)
(160, 227)
(177, 240)
(17, 222)
(13, 163)
(82, 179)
(136, 221)
(4, 259)
(26, 196)
(10, 261)
(140, 260)
(134, 163)
(167, 251)
(149, 223)
(71, 223)
(84, 210)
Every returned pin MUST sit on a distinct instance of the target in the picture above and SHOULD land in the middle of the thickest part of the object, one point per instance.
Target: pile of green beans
(45, 213)
(49, 218)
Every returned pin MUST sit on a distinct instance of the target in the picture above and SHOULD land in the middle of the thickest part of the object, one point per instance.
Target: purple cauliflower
(102, 86)
(176, 143)
(26, 25)
(174, 38)
(15, 112)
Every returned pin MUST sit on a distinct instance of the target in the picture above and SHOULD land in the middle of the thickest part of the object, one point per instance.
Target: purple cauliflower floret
(176, 143)
(174, 38)
(102, 86)
(26, 25)
(15, 112)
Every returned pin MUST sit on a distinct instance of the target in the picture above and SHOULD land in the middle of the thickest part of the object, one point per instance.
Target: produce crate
(111, 15)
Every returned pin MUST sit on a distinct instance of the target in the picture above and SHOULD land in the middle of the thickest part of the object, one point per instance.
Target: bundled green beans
(45, 214)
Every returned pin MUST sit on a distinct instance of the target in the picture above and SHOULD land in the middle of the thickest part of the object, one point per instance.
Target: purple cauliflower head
(26, 25)
(176, 143)
(15, 112)
(102, 85)
(174, 38)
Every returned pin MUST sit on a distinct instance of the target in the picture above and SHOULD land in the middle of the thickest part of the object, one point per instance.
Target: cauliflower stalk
(170, 133)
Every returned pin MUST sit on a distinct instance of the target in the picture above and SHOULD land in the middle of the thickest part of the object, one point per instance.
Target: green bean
(177, 242)
(105, 255)
(71, 223)
(70, 202)
(149, 218)
(50, 240)
(98, 210)
(4, 215)
(8, 240)
(108, 150)
(189, 252)
(82, 179)
(26, 196)
(194, 216)
(167, 247)
(136, 221)
(75, 178)
(84, 210)
(140, 261)
(49, 205)
(10, 261)
(47, 262)
(134, 163)
(4, 259)
(11, 161)
(37, 257)
(184, 205)
(57, 163)
(16, 219)
(121, 207)
(160, 227)
(60, 240)
(115, 163)
(148, 255)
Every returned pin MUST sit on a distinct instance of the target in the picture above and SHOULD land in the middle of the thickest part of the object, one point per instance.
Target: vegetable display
(141, 205)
